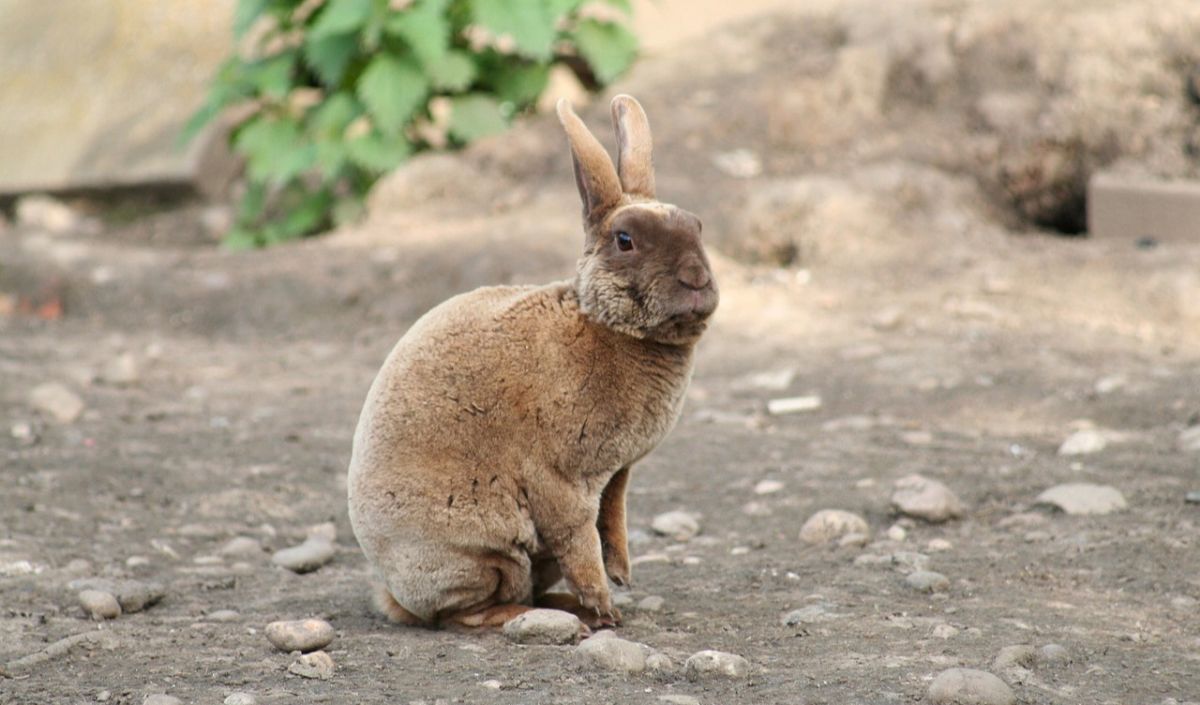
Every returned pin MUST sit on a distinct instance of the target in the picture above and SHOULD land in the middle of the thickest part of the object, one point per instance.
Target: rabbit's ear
(635, 164)
(595, 176)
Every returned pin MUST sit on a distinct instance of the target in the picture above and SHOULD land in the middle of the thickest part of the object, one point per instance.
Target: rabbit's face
(645, 273)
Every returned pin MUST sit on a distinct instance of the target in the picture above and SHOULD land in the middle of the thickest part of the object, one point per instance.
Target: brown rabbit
(494, 448)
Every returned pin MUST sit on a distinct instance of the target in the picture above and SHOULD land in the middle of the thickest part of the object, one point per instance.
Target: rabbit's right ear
(595, 175)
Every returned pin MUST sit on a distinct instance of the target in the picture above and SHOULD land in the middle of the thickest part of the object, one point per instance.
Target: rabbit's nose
(694, 276)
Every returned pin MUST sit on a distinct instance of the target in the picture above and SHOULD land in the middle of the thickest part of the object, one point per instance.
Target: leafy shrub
(330, 94)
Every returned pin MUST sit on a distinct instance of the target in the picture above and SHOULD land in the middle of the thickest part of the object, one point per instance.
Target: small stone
(544, 626)
(944, 631)
(326, 531)
(888, 318)
(103, 696)
(316, 665)
(653, 603)
(302, 635)
(23, 433)
(926, 499)
(100, 605)
(223, 616)
(45, 213)
(659, 663)
(715, 664)
(678, 525)
(793, 405)
(241, 546)
(896, 532)
(1054, 653)
(1192, 497)
(909, 560)
(161, 699)
(1083, 442)
(739, 163)
(1110, 384)
(239, 698)
(807, 615)
(608, 652)
(307, 557)
(938, 545)
(768, 487)
(1021, 655)
(492, 684)
(133, 595)
(917, 438)
(679, 699)
(56, 401)
(829, 524)
(927, 581)
(122, 369)
(1189, 440)
(967, 686)
(854, 540)
(1083, 498)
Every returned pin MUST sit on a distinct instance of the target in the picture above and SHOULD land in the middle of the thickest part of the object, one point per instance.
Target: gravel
(133, 595)
(606, 651)
(678, 525)
(922, 498)
(307, 557)
(967, 686)
(317, 665)
(715, 664)
(100, 605)
(300, 635)
(544, 626)
(1084, 498)
(829, 524)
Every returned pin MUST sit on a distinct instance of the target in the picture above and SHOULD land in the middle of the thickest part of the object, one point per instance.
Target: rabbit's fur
(494, 447)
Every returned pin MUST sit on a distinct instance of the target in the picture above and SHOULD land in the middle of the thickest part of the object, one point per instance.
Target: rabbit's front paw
(598, 600)
(616, 565)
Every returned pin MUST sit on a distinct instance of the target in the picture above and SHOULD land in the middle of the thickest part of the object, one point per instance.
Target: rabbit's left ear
(599, 187)
(635, 163)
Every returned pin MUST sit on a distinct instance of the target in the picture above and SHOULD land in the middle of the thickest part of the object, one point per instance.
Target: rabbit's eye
(624, 242)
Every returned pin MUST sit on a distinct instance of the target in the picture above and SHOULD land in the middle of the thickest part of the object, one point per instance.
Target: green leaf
(529, 22)
(241, 238)
(558, 8)
(453, 73)
(330, 118)
(378, 154)
(392, 89)
(608, 48)
(474, 116)
(519, 84)
(275, 149)
(329, 56)
(309, 215)
(331, 159)
(341, 17)
(244, 15)
(273, 77)
(425, 29)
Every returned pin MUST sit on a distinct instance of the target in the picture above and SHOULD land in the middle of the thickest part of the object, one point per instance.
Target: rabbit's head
(643, 271)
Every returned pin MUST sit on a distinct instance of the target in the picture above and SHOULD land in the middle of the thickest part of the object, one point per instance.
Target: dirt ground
(954, 343)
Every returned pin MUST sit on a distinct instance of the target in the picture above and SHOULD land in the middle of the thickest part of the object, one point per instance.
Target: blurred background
(957, 237)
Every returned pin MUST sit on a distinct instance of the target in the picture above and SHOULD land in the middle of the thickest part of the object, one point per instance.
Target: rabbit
(494, 448)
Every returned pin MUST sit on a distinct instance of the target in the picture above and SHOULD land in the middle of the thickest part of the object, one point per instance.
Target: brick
(1127, 207)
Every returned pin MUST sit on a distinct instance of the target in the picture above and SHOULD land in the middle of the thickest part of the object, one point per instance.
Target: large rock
(96, 92)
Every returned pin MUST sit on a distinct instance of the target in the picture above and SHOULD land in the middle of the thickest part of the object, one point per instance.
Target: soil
(966, 352)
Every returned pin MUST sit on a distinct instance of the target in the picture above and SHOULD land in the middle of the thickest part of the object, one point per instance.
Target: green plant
(330, 94)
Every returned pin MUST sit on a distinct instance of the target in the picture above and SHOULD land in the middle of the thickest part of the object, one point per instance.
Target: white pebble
(944, 631)
(793, 405)
(240, 698)
(926, 499)
(544, 626)
(1084, 498)
(122, 369)
(938, 545)
(300, 635)
(927, 581)
(492, 684)
(241, 546)
(715, 664)
(768, 487)
(967, 686)
(1189, 440)
(307, 557)
(318, 665)
(606, 651)
(161, 699)
(653, 603)
(678, 525)
(100, 605)
(1083, 442)
(896, 532)
(56, 401)
(829, 524)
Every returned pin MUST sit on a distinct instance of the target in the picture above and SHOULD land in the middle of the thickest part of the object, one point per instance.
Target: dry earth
(942, 334)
